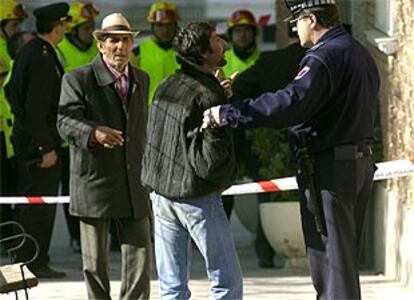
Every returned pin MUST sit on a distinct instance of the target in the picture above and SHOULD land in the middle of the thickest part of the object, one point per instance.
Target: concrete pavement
(283, 284)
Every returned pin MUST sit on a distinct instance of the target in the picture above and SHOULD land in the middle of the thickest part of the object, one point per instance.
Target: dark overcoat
(104, 182)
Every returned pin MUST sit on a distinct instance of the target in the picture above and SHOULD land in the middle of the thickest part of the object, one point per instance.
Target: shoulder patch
(302, 72)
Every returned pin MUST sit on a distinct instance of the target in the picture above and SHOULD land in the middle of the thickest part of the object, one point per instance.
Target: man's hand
(49, 159)
(211, 117)
(108, 137)
(226, 83)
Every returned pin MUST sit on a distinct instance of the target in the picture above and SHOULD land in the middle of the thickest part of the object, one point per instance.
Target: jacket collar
(329, 35)
(188, 66)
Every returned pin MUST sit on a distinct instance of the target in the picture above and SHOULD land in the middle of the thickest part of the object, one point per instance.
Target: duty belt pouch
(346, 152)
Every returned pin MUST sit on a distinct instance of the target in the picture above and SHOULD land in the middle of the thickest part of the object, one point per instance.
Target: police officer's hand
(108, 137)
(211, 117)
(49, 159)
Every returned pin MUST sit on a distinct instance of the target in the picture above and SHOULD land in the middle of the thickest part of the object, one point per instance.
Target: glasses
(294, 23)
(89, 11)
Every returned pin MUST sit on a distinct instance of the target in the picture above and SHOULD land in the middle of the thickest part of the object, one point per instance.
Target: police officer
(34, 92)
(77, 49)
(331, 100)
(155, 56)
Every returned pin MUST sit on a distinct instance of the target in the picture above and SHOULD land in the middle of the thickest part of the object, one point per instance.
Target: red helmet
(241, 17)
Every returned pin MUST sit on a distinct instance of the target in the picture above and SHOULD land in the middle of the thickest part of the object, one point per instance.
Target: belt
(348, 151)
(352, 151)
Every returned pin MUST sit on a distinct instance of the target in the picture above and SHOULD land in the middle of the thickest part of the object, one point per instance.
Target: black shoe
(75, 245)
(46, 272)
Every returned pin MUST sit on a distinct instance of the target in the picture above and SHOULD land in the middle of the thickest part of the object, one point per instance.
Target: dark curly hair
(192, 41)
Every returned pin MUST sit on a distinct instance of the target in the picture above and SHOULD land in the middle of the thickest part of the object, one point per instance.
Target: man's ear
(99, 44)
(314, 21)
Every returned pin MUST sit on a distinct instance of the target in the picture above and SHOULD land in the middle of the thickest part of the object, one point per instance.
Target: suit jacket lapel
(105, 79)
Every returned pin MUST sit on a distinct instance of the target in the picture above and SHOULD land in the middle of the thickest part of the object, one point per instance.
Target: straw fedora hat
(114, 23)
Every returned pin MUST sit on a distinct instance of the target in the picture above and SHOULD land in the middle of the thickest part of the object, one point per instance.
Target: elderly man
(102, 114)
(329, 108)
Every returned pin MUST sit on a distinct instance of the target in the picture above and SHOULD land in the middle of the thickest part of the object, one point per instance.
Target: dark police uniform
(34, 93)
(332, 99)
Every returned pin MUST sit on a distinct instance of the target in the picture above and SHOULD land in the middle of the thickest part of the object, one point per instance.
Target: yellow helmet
(241, 17)
(9, 10)
(81, 12)
(163, 12)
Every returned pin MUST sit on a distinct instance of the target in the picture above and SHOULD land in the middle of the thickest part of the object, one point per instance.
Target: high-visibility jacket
(234, 63)
(72, 57)
(157, 62)
(6, 117)
(5, 59)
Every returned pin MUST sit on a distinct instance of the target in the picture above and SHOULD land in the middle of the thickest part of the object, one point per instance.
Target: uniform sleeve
(40, 102)
(298, 102)
(72, 124)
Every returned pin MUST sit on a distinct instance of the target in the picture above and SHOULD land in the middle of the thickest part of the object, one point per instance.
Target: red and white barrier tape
(386, 170)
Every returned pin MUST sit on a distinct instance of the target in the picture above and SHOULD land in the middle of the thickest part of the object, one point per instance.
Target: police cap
(297, 6)
(52, 12)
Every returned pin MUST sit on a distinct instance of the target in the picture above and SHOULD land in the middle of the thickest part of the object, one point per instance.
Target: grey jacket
(180, 161)
(104, 182)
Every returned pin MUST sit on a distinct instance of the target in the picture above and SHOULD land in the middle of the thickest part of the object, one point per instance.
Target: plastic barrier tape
(386, 170)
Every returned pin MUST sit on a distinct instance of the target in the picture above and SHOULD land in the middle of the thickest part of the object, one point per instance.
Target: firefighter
(155, 56)
(242, 32)
(12, 14)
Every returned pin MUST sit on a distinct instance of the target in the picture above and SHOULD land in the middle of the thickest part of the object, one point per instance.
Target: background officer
(76, 49)
(34, 92)
(329, 108)
(242, 32)
(155, 55)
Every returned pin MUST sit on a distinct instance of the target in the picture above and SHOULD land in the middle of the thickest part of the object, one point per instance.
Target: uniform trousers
(37, 220)
(134, 236)
(333, 259)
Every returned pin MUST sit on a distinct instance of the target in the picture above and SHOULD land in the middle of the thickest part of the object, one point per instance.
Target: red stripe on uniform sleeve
(268, 186)
(35, 200)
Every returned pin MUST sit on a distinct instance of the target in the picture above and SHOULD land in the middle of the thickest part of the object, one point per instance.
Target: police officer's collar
(330, 34)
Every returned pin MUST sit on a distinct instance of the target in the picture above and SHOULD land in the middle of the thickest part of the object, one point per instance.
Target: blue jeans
(203, 220)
